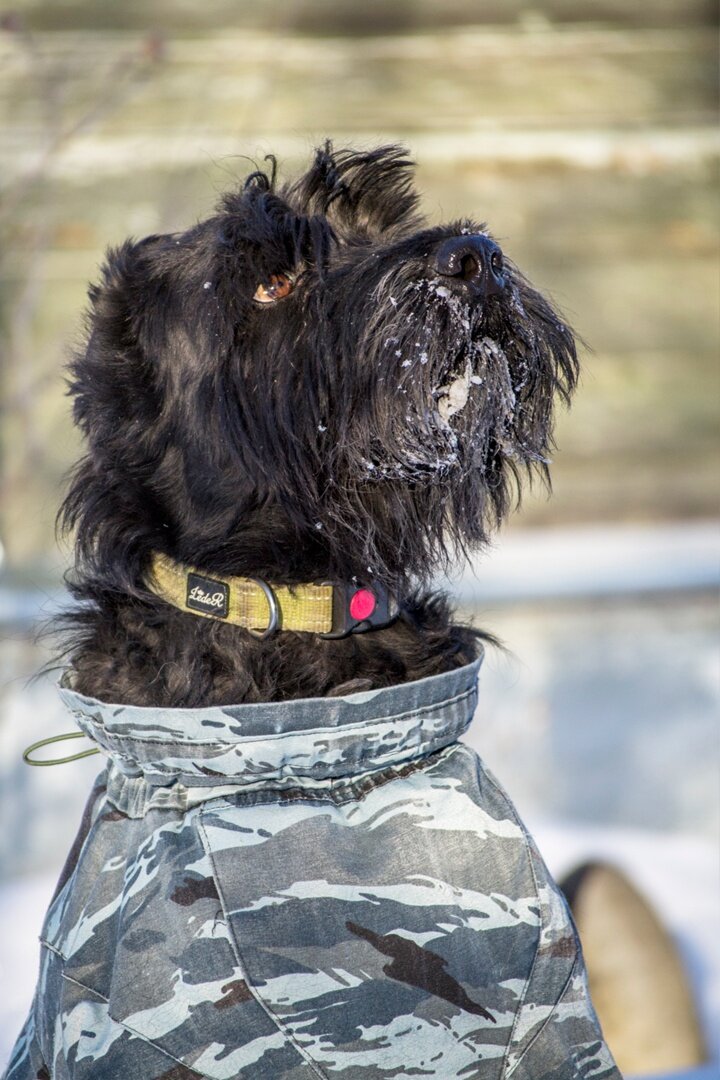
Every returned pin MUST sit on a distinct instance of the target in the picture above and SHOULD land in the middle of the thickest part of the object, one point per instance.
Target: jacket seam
(134, 1031)
(52, 948)
(312, 772)
(513, 813)
(435, 707)
(345, 789)
(275, 795)
(274, 1019)
(545, 1022)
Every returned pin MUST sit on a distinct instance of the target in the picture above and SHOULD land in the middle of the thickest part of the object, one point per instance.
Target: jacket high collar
(178, 757)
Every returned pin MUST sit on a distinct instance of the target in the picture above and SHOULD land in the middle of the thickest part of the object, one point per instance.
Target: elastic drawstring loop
(53, 739)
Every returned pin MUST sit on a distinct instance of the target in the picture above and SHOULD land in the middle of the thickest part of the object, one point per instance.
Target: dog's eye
(278, 287)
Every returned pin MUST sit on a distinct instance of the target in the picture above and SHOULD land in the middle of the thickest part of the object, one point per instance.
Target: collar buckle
(359, 608)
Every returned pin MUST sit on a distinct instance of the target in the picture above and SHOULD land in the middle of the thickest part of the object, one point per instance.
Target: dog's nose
(474, 259)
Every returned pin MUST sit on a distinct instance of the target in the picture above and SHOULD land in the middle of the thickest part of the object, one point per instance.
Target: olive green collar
(330, 609)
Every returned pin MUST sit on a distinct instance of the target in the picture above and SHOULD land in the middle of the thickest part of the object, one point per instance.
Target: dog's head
(312, 383)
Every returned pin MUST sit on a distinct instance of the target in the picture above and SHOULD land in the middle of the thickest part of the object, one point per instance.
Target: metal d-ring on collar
(274, 623)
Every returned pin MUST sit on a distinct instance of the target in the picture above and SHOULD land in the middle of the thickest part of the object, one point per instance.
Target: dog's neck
(141, 650)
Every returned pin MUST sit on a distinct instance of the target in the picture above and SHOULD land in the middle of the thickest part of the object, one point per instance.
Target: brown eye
(278, 287)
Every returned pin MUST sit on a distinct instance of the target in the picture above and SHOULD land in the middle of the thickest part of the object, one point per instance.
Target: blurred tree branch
(21, 279)
(127, 72)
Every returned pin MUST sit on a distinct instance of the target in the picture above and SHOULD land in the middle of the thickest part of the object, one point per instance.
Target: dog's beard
(449, 392)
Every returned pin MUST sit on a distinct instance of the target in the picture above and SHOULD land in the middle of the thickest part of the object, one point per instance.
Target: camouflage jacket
(326, 888)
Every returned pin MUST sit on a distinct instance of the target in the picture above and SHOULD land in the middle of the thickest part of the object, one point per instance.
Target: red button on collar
(362, 604)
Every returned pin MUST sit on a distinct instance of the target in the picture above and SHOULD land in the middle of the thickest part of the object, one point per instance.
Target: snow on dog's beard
(453, 379)
(459, 403)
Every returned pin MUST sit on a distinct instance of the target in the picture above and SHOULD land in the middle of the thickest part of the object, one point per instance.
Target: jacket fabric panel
(332, 888)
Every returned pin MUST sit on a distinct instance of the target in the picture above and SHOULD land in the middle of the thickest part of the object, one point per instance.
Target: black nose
(476, 260)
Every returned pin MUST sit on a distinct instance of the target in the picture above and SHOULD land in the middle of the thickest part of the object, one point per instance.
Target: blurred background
(585, 133)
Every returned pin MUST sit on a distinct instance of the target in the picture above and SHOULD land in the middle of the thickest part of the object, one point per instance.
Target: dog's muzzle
(473, 262)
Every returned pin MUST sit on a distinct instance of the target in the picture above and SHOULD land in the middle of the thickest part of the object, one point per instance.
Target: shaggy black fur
(305, 439)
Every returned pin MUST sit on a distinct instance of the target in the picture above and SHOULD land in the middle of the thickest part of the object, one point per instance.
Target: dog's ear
(111, 377)
(364, 193)
(116, 403)
(260, 234)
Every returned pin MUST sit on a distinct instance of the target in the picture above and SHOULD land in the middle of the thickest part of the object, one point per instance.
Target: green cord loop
(53, 739)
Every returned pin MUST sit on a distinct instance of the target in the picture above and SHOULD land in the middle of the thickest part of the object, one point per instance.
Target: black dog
(295, 411)
(312, 385)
